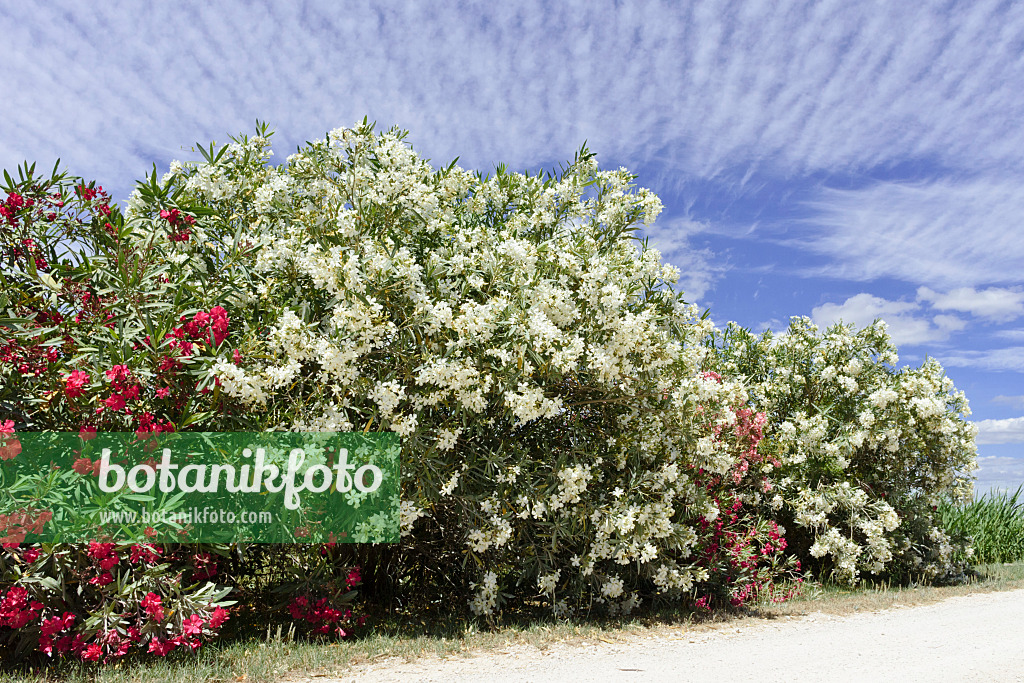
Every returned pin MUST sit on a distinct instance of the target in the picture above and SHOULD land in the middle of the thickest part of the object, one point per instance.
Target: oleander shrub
(862, 451)
(97, 602)
(99, 332)
(559, 442)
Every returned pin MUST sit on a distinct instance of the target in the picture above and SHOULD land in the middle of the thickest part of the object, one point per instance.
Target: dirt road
(971, 638)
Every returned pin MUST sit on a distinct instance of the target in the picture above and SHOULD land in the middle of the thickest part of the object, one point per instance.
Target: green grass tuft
(995, 523)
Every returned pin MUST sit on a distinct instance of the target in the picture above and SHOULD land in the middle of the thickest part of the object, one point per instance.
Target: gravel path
(976, 637)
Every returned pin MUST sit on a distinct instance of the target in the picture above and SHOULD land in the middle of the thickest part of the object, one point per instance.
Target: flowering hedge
(573, 432)
(540, 369)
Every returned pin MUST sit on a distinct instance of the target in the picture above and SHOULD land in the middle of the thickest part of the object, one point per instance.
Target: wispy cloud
(995, 303)
(1012, 335)
(698, 268)
(942, 234)
(697, 87)
(906, 324)
(1007, 359)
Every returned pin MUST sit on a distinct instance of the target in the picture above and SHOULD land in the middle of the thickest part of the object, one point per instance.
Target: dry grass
(259, 659)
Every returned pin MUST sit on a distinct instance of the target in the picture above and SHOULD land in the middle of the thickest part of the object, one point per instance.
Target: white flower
(612, 587)
(547, 583)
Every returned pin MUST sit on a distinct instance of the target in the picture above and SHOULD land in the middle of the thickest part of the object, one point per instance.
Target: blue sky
(838, 160)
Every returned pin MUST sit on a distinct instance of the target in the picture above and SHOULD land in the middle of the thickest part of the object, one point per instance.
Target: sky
(837, 160)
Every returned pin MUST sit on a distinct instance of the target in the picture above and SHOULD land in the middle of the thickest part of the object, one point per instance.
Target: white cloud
(697, 267)
(995, 303)
(905, 326)
(943, 234)
(999, 472)
(1006, 359)
(698, 87)
(1010, 430)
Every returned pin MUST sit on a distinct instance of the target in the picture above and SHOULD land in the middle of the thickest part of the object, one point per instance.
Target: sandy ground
(976, 637)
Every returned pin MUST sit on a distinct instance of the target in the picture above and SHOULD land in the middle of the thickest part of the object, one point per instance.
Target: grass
(995, 522)
(257, 658)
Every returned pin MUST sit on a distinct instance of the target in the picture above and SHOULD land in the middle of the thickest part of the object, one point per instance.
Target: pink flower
(218, 617)
(353, 577)
(161, 647)
(87, 433)
(83, 466)
(75, 383)
(92, 653)
(193, 626)
(115, 402)
(9, 447)
(118, 372)
(163, 392)
(152, 605)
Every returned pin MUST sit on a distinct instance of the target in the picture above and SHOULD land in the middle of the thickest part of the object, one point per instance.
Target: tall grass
(995, 522)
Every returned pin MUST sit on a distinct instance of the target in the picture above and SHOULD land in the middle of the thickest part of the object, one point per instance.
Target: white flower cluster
(558, 419)
(855, 437)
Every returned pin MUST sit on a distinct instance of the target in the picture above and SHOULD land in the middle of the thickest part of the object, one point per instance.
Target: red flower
(87, 433)
(115, 402)
(193, 626)
(55, 625)
(92, 653)
(145, 553)
(102, 580)
(161, 647)
(74, 383)
(98, 551)
(153, 607)
(218, 617)
(83, 466)
(220, 324)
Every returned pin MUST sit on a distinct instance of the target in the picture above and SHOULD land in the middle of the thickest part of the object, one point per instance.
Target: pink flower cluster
(201, 327)
(10, 446)
(179, 223)
(18, 524)
(16, 610)
(320, 614)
